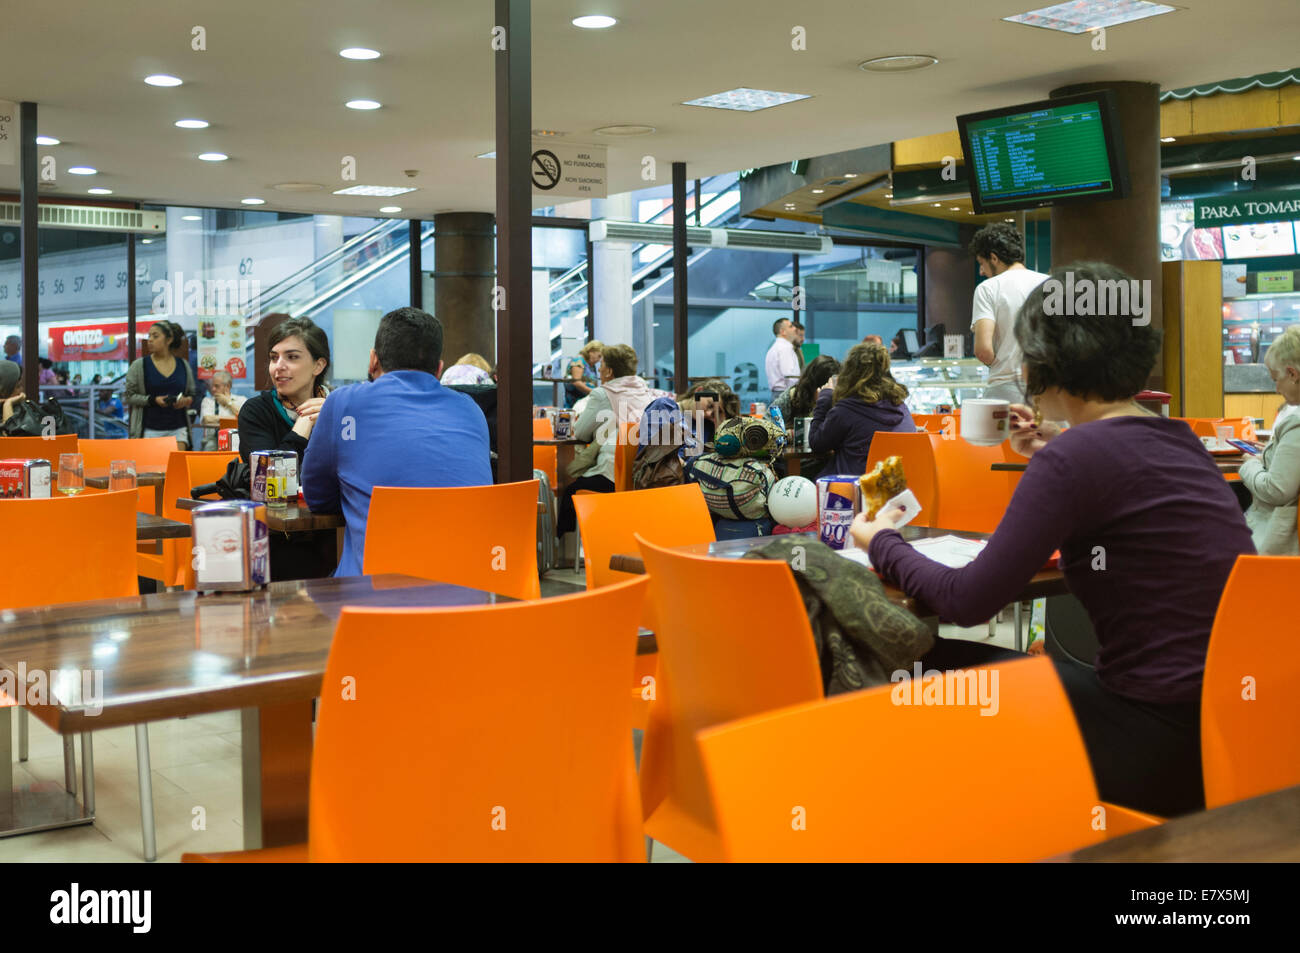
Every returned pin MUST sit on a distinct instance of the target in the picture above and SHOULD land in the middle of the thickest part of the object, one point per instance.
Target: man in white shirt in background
(1000, 251)
(782, 364)
(219, 402)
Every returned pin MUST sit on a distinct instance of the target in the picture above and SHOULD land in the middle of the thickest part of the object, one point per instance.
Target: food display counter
(932, 382)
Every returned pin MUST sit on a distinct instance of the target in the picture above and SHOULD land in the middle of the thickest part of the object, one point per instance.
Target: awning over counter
(1240, 85)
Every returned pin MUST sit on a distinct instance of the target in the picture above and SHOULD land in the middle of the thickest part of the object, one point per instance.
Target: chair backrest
(42, 448)
(734, 641)
(625, 456)
(484, 537)
(149, 454)
(521, 727)
(917, 452)
(869, 776)
(73, 549)
(969, 494)
(1250, 696)
(187, 469)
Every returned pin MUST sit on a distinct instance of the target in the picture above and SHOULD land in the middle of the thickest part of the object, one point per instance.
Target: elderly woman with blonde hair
(1273, 477)
(470, 369)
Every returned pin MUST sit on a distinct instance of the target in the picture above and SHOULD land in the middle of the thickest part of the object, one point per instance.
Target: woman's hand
(161, 400)
(864, 531)
(307, 412)
(829, 385)
(1026, 439)
(10, 403)
(183, 402)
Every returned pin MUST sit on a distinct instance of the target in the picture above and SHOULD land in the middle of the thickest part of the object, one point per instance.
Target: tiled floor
(195, 765)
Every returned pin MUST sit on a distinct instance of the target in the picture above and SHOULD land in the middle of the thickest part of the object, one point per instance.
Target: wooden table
(1263, 829)
(148, 526)
(294, 518)
(794, 460)
(1045, 582)
(98, 479)
(180, 653)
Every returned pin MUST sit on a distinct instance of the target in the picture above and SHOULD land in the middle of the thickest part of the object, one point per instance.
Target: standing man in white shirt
(782, 364)
(1000, 251)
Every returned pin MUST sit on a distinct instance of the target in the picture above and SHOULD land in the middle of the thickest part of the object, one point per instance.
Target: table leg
(277, 771)
(563, 457)
(792, 466)
(36, 807)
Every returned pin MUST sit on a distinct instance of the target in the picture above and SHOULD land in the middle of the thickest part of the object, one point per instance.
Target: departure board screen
(1040, 154)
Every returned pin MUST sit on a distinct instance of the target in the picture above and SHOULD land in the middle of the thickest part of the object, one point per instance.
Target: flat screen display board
(1044, 153)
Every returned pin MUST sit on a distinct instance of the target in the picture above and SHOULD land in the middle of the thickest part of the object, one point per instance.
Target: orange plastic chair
(40, 448)
(862, 777)
(758, 657)
(484, 537)
(149, 454)
(1250, 695)
(917, 452)
(531, 755)
(185, 470)
(625, 456)
(545, 458)
(969, 494)
(608, 522)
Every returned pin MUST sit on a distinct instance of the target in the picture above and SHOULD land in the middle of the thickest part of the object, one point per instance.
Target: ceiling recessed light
(390, 209)
(82, 170)
(162, 79)
(1168, 139)
(1011, 220)
(46, 141)
(548, 133)
(818, 191)
(746, 100)
(298, 187)
(252, 201)
(381, 191)
(192, 123)
(937, 204)
(1082, 17)
(362, 104)
(486, 155)
(594, 22)
(359, 53)
(99, 191)
(953, 208)
(898, 64)
(850, 175)
(625, 130)
(213, 156)
(191, 218)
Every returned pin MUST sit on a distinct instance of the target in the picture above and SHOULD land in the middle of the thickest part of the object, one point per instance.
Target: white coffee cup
(985, 422)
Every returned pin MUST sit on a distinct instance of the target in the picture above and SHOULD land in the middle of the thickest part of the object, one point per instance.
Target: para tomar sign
(568, 171)
(1247, 209)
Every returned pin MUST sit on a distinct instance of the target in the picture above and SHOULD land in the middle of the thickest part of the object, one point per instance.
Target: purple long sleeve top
(1148, 532)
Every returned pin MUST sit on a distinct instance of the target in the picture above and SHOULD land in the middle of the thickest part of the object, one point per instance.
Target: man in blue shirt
(401, 428)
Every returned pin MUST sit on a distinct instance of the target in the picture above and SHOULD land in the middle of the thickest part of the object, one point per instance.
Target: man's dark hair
(409, 339)
(1098, 356)
(999, 239)
(776, 325)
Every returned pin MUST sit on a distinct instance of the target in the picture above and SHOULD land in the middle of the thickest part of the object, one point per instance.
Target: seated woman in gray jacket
(1273, 477)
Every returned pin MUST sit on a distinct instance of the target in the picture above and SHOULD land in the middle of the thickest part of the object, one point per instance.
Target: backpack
(656, 467)
(734, 488)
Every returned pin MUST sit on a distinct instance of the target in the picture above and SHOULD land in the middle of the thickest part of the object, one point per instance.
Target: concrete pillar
(949, 288)
(612, 267)
(1122, 232)
(465, 273)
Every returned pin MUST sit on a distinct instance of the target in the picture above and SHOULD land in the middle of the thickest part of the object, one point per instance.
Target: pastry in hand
(881, 485)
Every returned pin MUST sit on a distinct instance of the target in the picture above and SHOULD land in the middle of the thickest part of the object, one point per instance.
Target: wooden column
(1193, 338)
(29, 251)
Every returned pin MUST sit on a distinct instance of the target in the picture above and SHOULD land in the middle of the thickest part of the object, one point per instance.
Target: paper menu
(952, 551)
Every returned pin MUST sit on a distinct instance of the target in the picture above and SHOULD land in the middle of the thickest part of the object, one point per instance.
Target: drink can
(233, 546)
(838, 501)
(228, 439)
(758, 408)
(25, 478)
(562, 424)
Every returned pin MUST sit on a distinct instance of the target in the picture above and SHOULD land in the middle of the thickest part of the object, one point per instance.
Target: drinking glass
(121, 475)
(72, 475)
(1224, 434)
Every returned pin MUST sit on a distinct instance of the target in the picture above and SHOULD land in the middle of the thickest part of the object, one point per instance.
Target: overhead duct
(738, 239)
(91, 217)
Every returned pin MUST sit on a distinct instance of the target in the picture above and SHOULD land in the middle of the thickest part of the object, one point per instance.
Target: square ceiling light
(378, 190)
(746, 100)
(1081, 16)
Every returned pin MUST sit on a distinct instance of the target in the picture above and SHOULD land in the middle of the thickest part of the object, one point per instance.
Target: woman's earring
(1038, 415)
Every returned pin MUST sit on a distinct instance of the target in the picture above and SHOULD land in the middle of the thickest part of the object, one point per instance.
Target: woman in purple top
(1148, 532)
(861, 399)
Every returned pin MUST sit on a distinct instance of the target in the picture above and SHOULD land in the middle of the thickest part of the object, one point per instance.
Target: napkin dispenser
(25, 478)
(231, 547)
